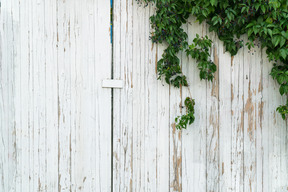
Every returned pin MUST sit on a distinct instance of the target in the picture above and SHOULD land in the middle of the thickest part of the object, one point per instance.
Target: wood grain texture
(228, 146)
(56, 119)
(54, 112)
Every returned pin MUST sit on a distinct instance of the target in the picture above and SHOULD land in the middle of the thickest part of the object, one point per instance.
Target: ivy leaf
(269, 32)
(275, 40)
(213, 2)
(283, 53)
(215, 20)
(285, 34)
(263, 8)
(250, 31)
(281, 90)
(282, 41)
(281, 79)
(250, 25)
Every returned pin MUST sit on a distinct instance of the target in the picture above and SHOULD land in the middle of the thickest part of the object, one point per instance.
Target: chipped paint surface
(50, 96)
(55, 119)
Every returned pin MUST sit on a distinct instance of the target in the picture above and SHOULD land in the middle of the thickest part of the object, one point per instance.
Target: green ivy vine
(262, 20)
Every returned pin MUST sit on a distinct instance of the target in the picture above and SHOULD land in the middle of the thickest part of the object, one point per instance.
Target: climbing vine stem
(263, 20)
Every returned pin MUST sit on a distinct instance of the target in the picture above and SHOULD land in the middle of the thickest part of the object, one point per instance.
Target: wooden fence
(60, 130)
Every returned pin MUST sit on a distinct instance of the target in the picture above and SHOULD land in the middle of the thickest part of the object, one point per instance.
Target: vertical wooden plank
(38, 84)
(258, 84)
(31, 102)
(194, 138)
(266, 118)
(138, 120)
(84, 142)
(103, 111)
(150, 103)
(175, 140)
(79, 175)
(175, 170)
(224, 61)
(3, 88)
(51, 97)
(163, 138)
(15, 10)
(64, 95)
(118, 126)
(249, 120)
(123, 44)
(213, 111)
(8, 129)
(17, 97)
(2, 152)
(237, 113)
(24, 92)
(34, 91)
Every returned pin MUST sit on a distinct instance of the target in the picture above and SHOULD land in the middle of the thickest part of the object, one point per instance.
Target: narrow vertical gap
(112, 91)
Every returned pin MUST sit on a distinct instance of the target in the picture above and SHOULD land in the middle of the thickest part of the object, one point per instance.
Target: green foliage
(262, 20)
(184, 120)
(199, 50)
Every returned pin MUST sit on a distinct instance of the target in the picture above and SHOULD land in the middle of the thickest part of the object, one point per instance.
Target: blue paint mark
(111, 21)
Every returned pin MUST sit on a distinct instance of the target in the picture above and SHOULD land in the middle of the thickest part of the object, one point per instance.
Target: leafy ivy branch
(184, 120)
(262, 20)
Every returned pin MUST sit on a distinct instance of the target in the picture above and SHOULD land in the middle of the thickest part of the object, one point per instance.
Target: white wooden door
(55, 118)
(238, 142)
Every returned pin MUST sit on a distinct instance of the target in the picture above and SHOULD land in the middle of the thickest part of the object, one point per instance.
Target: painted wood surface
(238, 141)
(55, 117)
(56, 127)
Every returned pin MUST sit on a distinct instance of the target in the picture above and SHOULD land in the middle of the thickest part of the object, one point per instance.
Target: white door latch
(111, 83)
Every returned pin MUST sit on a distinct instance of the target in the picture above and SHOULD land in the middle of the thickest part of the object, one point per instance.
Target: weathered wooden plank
(38, 84)
(51, 96)
(224, 61)
(123, 141)
(15, 10)
(266, 118)
(119, 150)
(175, 140)
(257, 91)
(2, 144)
(3, 100)
(237, 126)
(84, 118)
(213, 129)
(81, 92)
(64, 94)
(150, 103)
(102, 55)
(163, 139)
(194, 138)
(8, 129)
(139, 105)
(250, 120)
